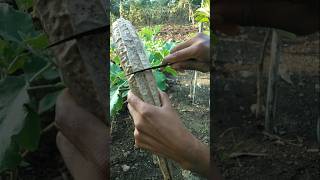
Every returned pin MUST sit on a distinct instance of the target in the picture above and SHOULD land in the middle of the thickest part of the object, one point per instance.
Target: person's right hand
(193, 54)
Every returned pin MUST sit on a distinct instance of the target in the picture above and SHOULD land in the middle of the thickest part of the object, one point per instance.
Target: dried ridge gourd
(133, 58)
(82, 62)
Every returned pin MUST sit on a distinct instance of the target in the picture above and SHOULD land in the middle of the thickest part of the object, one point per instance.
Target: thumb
(164, 98)
(135, 101)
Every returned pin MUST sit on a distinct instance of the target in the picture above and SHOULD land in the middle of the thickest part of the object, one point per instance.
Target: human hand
(160, 130)
(193, 54)
(83, 140)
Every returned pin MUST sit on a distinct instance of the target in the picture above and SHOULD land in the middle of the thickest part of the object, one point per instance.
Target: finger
(181, 55)
(183, 45)
(144, 141)
(150, 143)
(136, 102)
(86, 132)
(164, 98)
(135, 115)
(79, 167)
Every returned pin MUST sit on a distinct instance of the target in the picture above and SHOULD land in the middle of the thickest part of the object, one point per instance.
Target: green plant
(156, 50)
(29, 83)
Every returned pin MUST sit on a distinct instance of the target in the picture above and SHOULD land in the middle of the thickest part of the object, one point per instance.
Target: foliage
(156, 50)
(24, 68)
(151, 12)
(202, 14)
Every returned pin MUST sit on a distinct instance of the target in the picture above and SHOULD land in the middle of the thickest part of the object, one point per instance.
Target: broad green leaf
(48, 102)
(15, 23)
(169, 46)
(155, 58)
(38, 42)
(161, 80)
(24, 5)
(18, 63)
(33, 65)
(51, 73)
(116, 102)
(29, 136)
(13, 97)
(116, 60)
(170, 70)
(287, 35)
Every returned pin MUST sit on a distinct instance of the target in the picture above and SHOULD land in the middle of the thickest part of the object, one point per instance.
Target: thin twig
(239, 154)
(49, 64)
(279, 139)
(50, 86)
(226, 131)
(49, 127)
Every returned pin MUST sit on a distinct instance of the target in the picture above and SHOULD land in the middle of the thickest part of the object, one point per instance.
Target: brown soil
(292, 152)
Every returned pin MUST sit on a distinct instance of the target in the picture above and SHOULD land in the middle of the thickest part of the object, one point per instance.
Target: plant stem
(50, 86)
(40, 72)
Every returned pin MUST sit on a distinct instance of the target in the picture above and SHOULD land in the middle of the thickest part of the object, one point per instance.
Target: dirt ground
(242, 149)
(130, 163)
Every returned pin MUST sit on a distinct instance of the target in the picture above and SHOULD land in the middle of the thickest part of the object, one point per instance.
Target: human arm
(160, 130)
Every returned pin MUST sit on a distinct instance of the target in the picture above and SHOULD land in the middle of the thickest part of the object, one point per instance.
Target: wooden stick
(260, 75)
(272, 80)
(239, 154)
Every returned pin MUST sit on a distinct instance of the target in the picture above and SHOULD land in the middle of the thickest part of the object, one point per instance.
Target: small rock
(253, 108)
(126, 153)
(313, 150)
(301, 84)
(125, 167)
(301, 94)
(226, 87)
(245, 74)
(317, 87)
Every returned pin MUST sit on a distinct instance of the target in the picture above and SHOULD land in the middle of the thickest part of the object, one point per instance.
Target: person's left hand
(160, 130)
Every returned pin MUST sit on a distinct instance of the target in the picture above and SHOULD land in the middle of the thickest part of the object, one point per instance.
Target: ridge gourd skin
(82, 62)
(142, 84)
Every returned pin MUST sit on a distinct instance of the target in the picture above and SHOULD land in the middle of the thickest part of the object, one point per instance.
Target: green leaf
(51, 73)
(38, 42)
(13, 97)
(29, 136)
(287, 35)
(116, 102)
(24, 5)
(161, 80)
(15, 23)
(17, 63)
(170, 70)
(33, 65)
(48, 102)
(155, 58)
